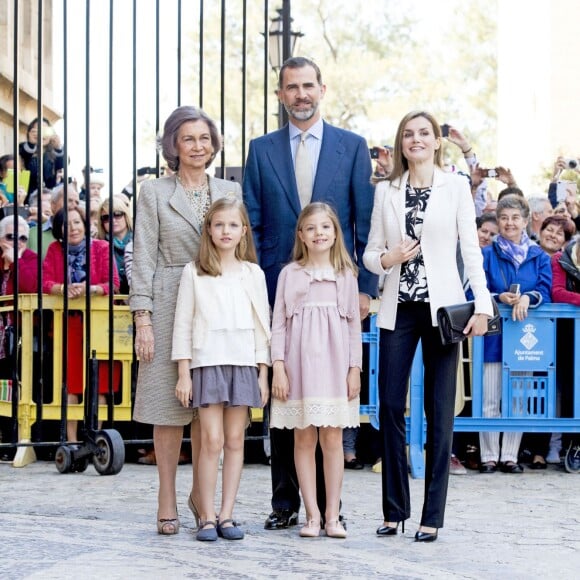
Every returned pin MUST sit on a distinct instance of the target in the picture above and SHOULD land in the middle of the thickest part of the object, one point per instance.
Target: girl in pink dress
(317, 358)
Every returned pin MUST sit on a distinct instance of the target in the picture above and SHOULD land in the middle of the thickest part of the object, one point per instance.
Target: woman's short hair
(23, 226)
(168, 141)
(568, 226)
(120, 203)
(4, 160)
(401, 164)
(484, 218)
(58, 221)
(511, 190)
(513, 201)
(34, 122)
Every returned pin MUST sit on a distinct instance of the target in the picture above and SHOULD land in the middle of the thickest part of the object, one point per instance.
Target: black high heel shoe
(426, 536)
(391, 530)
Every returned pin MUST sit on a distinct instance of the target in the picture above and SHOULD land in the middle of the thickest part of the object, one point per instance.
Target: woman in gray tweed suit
(170, 211)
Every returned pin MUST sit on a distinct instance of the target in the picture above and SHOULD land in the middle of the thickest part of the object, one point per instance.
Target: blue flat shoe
(207, 534)
(230, 532)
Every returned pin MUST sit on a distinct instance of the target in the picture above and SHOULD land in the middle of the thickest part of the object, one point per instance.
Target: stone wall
(27, 62)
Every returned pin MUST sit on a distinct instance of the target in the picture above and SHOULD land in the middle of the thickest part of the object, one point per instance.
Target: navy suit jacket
(342, 180)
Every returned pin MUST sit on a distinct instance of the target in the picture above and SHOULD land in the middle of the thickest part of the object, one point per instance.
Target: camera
(489, 172)
(8, 210)
(571, 163)
(562, 188)
(374, 151)
(514, 288)
(146, 171)
(445, 130)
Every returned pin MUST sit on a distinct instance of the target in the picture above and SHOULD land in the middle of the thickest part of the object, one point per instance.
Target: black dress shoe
(354, 463)
(281, 519)
(390, 530)
(426, 536)
(488, 467)
(511, 467)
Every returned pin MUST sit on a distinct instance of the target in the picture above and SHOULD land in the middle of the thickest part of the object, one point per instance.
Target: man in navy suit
(341, 172)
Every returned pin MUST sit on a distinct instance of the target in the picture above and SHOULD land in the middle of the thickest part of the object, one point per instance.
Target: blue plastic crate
(531, 395)
(372, 339)
(529, 377)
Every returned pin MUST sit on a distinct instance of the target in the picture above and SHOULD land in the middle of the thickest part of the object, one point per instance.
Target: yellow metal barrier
(54, 316)
(53, 321)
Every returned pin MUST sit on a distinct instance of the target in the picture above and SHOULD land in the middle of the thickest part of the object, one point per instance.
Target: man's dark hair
(299, 62)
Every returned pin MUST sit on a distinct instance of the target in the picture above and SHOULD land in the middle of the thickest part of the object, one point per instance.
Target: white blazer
(450, 215)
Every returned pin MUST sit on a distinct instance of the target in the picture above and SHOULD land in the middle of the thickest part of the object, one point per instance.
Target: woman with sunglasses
(27, 279)
(118, 226)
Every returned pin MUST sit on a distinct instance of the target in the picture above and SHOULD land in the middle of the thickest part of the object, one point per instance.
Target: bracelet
(141, 314)
(142, 325)
(467, 151)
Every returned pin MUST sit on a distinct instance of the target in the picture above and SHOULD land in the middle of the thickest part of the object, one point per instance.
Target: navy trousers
(397, 348)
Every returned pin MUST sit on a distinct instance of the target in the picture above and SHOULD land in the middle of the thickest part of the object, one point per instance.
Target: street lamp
(281, 44)
(276, 38)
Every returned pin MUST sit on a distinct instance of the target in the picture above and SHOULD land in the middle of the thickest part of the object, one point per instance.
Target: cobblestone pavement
(91, 526)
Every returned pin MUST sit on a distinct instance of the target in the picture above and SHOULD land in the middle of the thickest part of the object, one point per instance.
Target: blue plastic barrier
(372, 339)
(528, 382)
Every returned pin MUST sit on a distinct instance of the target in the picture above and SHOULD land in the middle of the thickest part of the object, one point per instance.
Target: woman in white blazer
(419, 214)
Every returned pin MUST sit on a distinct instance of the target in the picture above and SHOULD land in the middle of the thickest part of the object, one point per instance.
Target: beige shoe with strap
(168, 526)
(334, 529)
(311, 529)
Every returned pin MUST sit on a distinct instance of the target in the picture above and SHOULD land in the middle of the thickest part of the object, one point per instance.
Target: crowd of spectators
(551, 228)
(545, 243)
(41, 236)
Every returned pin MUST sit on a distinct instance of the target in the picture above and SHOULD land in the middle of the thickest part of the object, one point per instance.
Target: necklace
(194, 190)
(198, 197)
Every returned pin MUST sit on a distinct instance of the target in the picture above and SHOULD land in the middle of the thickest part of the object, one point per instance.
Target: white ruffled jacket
(450, 216)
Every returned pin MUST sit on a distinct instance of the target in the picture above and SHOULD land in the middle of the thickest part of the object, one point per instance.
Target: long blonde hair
(209, 262)
(400, 163)
(339, 256)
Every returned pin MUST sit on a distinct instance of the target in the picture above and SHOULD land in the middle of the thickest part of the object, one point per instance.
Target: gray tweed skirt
(228, 384)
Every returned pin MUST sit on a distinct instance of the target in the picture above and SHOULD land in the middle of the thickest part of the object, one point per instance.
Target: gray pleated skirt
(231, 385)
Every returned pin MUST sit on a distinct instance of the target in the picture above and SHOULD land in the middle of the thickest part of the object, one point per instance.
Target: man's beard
(301, 115)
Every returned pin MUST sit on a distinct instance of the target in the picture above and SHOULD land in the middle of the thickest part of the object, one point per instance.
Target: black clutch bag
(452, 320)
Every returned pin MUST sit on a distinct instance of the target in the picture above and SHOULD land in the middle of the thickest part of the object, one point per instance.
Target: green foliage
(378, 59)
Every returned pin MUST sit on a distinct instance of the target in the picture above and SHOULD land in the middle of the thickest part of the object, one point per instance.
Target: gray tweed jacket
(167, 236)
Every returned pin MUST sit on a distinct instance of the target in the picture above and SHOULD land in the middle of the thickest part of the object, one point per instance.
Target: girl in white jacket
(221, 344)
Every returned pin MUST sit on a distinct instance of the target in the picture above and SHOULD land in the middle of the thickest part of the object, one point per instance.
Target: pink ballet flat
(311, 529)
(334, 529)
